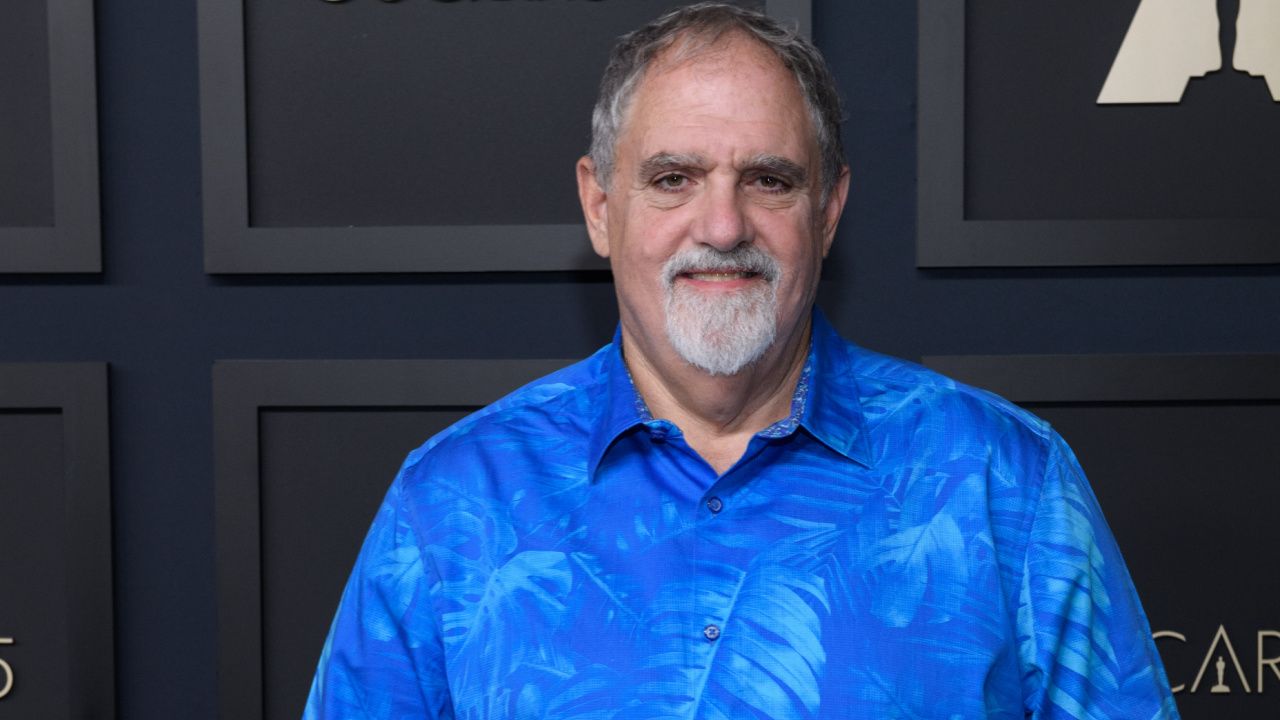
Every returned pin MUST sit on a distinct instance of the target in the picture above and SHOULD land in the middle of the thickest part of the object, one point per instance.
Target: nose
(723, 222)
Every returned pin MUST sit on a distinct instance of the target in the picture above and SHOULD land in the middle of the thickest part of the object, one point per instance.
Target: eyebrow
(666, 162)
(778, 165)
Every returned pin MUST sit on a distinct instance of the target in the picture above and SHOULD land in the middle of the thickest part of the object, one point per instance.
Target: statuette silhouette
(1220, 688)
(1171, 41)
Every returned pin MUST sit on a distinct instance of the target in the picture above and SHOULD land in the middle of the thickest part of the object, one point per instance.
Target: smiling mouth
(710, 270)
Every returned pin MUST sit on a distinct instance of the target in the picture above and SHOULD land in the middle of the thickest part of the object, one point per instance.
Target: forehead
(733, 89)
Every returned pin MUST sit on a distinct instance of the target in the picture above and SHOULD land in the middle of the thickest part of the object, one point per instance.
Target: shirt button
(711, 632)
(715, 506)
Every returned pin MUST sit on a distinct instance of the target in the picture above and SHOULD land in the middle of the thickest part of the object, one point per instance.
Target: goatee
(721, 332)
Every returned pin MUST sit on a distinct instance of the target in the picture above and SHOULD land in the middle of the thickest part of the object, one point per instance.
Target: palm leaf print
(770, 656)
(925, 557)
(503, 661)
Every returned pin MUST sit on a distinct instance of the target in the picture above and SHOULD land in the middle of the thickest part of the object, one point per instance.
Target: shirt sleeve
(384, 658)
(1085, 644)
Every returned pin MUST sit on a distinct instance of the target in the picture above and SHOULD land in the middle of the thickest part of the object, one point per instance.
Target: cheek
(638, 278)
(802, 268)
(650, 245)
(642, 266)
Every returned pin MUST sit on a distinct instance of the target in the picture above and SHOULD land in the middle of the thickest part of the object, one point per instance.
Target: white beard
(721, 332)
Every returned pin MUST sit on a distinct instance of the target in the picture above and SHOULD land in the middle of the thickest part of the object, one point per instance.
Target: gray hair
(698, 27)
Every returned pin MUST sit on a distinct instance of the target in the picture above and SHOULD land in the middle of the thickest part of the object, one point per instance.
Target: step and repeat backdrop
(362, 136)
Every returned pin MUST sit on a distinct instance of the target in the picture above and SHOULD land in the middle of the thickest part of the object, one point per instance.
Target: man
(730, 512)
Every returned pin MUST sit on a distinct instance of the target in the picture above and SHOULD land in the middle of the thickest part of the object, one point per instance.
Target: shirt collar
(832, 412)
(826, 402)
(621, 407)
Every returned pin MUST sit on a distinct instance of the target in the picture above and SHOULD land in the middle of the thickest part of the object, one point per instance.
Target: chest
(800, 589)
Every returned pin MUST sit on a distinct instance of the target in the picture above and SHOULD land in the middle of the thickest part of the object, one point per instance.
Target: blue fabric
(902, 546)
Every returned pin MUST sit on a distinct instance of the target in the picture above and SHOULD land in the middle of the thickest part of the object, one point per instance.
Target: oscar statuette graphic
(1170, 42)
(1220, 688)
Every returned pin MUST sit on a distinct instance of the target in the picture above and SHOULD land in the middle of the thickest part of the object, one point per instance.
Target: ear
(595, 208)
(835, 206)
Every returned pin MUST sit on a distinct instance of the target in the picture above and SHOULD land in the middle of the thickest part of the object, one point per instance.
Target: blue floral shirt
(901, 546)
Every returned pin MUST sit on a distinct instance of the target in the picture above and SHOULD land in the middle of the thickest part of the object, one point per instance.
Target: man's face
(713, 220)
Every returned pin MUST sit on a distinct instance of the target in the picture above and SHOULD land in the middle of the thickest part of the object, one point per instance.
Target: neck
(719, 414)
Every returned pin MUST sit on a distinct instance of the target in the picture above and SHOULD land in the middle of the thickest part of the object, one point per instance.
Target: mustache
(743, 258)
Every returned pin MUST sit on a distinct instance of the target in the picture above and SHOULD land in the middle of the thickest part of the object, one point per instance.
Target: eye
(671, 182)
(773, 184)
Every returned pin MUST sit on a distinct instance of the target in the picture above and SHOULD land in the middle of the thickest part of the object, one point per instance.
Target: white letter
(1221, 635)
(8, 671)
(1169, 41)
(1180, 638)
(1273, 662)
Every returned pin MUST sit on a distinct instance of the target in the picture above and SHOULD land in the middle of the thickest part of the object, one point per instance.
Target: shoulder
(938, 414)
(965, 454)
(539, 417)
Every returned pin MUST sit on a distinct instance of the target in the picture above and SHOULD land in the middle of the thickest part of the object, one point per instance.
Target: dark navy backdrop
(161, 321)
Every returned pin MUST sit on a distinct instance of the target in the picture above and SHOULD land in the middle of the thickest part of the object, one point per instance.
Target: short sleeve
(1084, 641)
(383, 658)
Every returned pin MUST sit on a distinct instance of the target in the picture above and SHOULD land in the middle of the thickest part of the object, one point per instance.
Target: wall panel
(48, 138)
(1020, 166)
(56, 646)
(350, 137)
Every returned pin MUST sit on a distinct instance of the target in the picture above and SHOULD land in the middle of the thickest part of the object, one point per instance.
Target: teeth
(718, 275)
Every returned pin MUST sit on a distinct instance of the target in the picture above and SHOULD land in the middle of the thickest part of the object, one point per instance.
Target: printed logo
(1171, 41)
(1219, 651)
